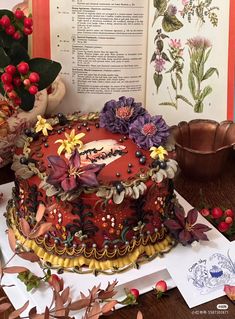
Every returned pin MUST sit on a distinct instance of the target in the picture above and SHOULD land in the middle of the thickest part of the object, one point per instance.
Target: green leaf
(168, 104)
(179, 79)
(160, 5)
(2, 91)
(157, 79)
(173, 83)
(153, 57)
(183, 98)
(7, 13)
(207, 55)
(191, 85)
(160, 45)
(171, 23)
(26, 98)
(209, 73)
(198, 107)
(4, 58)
(165, 57)
(206, 91)
(47, 69)
(18, 53)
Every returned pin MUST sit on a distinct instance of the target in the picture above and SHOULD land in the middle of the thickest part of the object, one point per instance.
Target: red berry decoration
(229, 212)
(17, 101)
(33, 89)
(160, 288)
(23, 68)
(10, 30)
(6, 78)
(11, 69)
(12, 95)
(223, 227)
(56, 282)
(135, 292)
(5, 21)
(228, 220)
(17, 81)
(28, 22)
(205, 212)
(217, 212)
(26, 82)
(34, 77)
(19, 14)
(17, 35)
(27, 31)
(8, 87)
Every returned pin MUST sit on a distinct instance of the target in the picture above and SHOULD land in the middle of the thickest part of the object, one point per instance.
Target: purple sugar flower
(71, 175)
(147, 131)
(116, 116)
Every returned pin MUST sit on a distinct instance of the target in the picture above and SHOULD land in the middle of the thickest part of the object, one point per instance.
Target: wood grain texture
(220, 192)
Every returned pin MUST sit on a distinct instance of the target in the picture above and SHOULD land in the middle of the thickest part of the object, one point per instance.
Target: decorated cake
(105, 182)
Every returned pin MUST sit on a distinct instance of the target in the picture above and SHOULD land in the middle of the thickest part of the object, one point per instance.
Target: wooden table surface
(220, 192)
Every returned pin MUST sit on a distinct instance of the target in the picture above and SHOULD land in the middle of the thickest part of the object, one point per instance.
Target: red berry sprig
(131, 297)
(160, 288)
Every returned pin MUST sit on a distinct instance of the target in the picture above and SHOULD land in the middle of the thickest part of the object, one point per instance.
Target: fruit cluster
(223, 220)
(17, 25)
(19, 76)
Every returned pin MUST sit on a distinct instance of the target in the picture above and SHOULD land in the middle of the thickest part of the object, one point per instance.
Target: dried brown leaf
(93, 292)
(32, 312)
(79, 304)
(7, 286)
(108, 306)
(15, 314)
(40, 212)
(41, 230)
(139, 315)
(95, 311)
(111, 286)
(14, 269)
(106, 294)
(11, 239)
(59, 305)
(38, 316)
(25, 228)
(65, 294)
(29, 256)
(83, 296)
(4, 306)
(47, 313)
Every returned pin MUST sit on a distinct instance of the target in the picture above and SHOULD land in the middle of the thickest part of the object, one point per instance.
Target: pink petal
(192, 216)
(230, 291)
(69, 183)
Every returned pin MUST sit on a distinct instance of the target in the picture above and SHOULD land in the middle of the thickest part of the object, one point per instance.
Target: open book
(169, 55)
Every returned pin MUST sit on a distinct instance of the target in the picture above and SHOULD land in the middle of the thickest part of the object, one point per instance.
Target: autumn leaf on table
(184, 228)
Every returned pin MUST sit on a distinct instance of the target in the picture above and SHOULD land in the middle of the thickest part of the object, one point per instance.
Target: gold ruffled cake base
(81, 264)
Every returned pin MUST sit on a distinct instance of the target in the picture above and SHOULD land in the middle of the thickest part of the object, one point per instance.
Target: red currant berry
(216, 212)
(161, 286)
(110, 201)
(11, 69)
(19, 14)
(5, 21)
(10, 30)
(8, 87)
(134, 292)
(33, 89)
(17, 101)
(27, 31)
(28, 22)
(205, 212)
(23, 67)
(229, 213)
(228, 220)
(34, 77)
(12, 95)
(17, 81)
(223, 227)
(6, 78)
(17, 35)
(26, 82)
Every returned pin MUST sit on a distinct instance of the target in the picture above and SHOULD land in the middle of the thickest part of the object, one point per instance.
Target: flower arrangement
(20, 76)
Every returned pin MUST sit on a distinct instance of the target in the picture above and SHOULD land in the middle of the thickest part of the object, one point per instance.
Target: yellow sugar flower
(42, 125)
(158, 152)
(68, 145)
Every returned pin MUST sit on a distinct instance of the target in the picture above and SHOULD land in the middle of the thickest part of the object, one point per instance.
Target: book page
(188, 60)
(102, 48)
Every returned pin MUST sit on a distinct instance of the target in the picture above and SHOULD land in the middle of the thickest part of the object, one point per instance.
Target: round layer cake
(105, 197)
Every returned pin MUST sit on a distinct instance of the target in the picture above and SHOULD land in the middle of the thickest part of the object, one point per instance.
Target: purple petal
(192, 216)
(74, 160)
(201, 227)
(185, 237)
(57, 162)
(69, 183)
(199, 235)
(55, 178)
(180, 215)
(88, 178)
(172, 224)
(94, 168)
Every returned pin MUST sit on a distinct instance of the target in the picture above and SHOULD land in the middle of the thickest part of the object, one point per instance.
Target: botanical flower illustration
(202, 9)
(116, 116)
(168, 13)
(176, 54)
(71, 142)
(199, 51)
(159, 58)
(42, 125)
(149, 131)
(184, 228)
(70, 175)
(158, 152)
